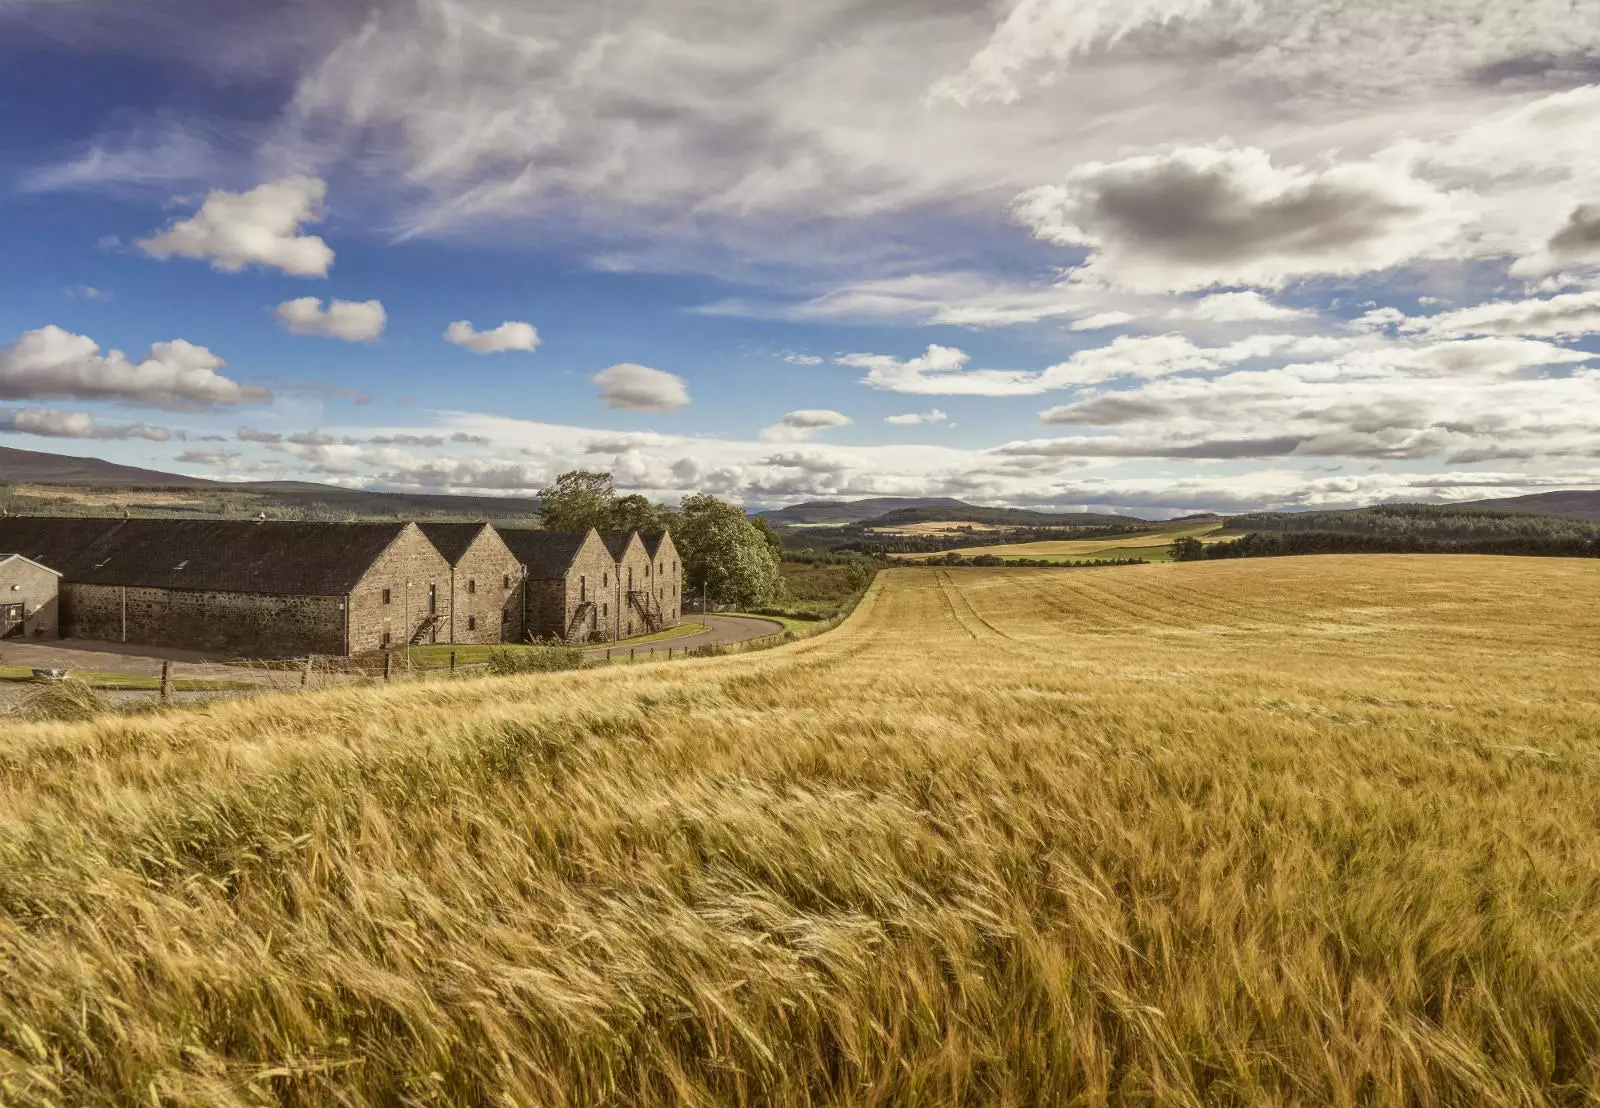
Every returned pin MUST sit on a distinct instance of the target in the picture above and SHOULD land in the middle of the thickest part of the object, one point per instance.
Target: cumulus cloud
(1571, 315)
(800, 425)
(508, 336)
(350, 320)
(52, 362)
(1202, 216)
(940, 371)
(54, 423)
(209, 457)
(259, 227)
(250, 434)
(910, 419)
(1235, 307)
(637, 388)
(1579, 239)
(802, 359)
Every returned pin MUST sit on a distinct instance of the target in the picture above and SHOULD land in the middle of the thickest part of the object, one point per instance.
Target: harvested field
(1302, 830)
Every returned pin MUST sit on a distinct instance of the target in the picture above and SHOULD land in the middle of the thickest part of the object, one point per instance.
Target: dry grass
(1293, 831)
(1139, 544)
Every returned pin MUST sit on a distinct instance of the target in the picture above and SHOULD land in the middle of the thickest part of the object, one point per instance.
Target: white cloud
(51, 362)
(54, 423)
(638, 388)
(798, 426)
(910, 419)
(803, 359)
(350, 320)
(1202, 216)
(940, 371)
(259, 227)
(1101, 321)
(1235, 307)
(1571, 315)
(1037, 39)
(508, 336)
(226, 458)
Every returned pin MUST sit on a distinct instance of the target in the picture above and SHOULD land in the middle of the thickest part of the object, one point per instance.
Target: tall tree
(636, 513)
(579, 500)
(724, 554)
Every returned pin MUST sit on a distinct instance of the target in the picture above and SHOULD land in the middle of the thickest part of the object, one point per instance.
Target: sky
(1141, 256)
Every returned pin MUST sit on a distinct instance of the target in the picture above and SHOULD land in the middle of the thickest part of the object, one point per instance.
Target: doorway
(10, 620)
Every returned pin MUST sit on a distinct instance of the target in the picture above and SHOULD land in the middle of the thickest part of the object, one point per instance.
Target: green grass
(127, 682)
(437, 655)
(798, 626)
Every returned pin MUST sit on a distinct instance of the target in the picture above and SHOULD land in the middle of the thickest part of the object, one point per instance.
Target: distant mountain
(33, 467)
(1578, 503)
(144, 488)
(892, 511)
(852, 511)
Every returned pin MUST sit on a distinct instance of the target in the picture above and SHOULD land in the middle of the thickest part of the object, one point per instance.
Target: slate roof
(617, 542)
(452, 539)
(652, 542)
(547, 554)
(281, 557)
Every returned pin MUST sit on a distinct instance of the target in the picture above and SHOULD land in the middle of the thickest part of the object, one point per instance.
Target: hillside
(1311, 831)
(890, 511)
(58, 484)
(35, 467)
(1580, 503)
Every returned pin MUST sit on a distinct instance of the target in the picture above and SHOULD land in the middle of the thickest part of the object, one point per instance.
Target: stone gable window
(472, 623)
(472, 586)
(386, 597)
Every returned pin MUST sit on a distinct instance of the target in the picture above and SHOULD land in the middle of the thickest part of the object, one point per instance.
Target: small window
(647, 569)
(472, 623)
(386, 600)
(604, 610)
(472, 586)
(387, 638)
(583, 588)
(605, 580)
(508, 581)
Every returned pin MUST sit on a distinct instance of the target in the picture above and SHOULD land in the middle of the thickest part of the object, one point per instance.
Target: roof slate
(617, 542)
(547, 554)
(281, 557)
(452, 539)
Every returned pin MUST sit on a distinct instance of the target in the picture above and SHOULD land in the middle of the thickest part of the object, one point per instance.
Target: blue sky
(1152, 256)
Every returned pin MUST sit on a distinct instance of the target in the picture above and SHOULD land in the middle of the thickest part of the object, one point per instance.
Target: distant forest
(1400, 529)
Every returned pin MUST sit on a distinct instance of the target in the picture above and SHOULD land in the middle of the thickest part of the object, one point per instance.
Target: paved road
(104, 657)
(719, 630)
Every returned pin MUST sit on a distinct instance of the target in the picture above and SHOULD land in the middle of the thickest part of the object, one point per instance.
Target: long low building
(288, 588)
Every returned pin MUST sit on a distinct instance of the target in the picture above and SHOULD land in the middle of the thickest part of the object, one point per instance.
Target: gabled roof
(4, 558)
(617, 542)
(547, 554)
(654, 541)
(452, 539)
(290, 558)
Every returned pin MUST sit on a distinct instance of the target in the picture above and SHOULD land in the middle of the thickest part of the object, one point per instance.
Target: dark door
(10, 620)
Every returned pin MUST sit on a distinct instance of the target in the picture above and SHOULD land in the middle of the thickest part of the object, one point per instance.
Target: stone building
(29, 597)
(666, 575)
(485, 583)
(568, 590)
(636, 610)
(241, 588)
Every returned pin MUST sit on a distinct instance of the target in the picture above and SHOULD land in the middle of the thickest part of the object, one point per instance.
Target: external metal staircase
(577, 630)
(644, 602)
(426, 629)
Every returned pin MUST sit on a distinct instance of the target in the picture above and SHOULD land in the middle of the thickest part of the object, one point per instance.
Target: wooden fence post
(452, 663)
(388, 663)
(631, 650)
(166, 681)
(305, 674)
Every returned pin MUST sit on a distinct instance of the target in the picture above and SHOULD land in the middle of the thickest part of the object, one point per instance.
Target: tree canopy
(724, 554)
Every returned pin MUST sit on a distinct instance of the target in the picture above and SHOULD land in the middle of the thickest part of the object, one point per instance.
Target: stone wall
(485, 600)
(553, 605)
(37, 590)
(410, 558)
(231, 624)
(634, 574)
(667, 578)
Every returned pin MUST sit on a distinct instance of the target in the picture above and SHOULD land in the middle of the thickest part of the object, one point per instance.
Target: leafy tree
(1188, 549)
(770, 534)
(724, 554)
(579, 500)
(636, 513)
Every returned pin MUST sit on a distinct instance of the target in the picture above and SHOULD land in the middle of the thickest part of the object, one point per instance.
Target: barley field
(1280, 831)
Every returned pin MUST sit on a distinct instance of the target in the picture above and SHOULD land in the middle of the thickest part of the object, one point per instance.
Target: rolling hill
(1579, 503)
(890, 511)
